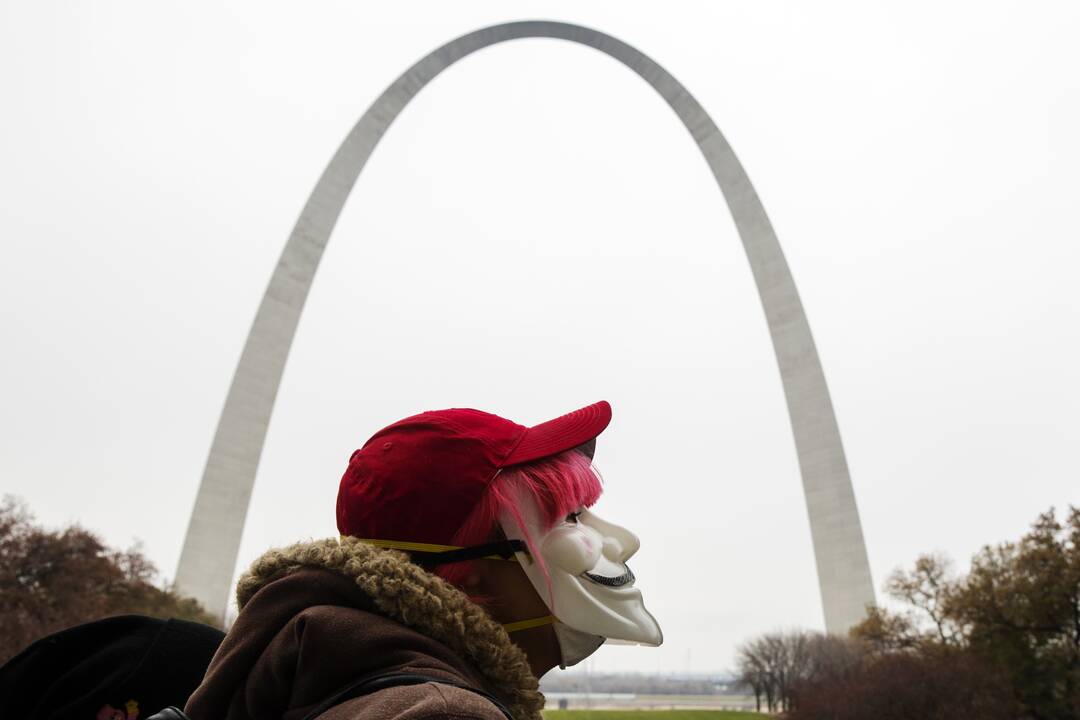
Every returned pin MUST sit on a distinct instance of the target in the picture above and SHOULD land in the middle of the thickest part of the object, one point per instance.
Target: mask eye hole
(572, 518)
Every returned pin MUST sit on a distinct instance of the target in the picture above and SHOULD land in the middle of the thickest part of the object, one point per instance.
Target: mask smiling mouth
(625, 579)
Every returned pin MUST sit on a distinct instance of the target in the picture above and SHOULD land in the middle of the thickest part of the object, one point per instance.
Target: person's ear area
(474, 581)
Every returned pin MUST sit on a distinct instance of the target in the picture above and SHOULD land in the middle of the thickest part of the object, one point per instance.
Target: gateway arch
(208, 558)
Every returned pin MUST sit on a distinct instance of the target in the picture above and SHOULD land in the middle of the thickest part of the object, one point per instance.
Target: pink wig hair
(559, 485)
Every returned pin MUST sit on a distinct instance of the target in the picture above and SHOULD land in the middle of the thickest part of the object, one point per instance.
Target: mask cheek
(571, 550)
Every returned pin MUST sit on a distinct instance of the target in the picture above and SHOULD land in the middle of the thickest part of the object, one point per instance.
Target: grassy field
(650, 715)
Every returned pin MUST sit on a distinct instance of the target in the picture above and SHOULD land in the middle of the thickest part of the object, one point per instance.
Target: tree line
(999, 642)
(53, 579)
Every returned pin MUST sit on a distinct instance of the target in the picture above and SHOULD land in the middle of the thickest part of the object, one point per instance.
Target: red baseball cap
(419, 479)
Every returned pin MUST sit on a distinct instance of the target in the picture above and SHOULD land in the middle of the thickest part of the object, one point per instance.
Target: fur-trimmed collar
(418, 599)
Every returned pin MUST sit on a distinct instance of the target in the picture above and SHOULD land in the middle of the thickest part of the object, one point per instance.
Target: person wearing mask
(468, 565)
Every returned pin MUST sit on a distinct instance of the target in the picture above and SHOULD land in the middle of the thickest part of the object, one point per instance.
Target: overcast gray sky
(536, 232)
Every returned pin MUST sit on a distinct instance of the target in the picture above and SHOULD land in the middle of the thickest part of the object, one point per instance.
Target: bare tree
(929, 587)
(750, 663)
(777, 664)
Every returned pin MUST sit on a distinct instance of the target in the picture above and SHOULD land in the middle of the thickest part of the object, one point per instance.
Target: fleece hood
(317, 616)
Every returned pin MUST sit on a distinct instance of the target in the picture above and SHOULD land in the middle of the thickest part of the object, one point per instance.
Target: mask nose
(619, 543)
(613, 549)
(621, 546)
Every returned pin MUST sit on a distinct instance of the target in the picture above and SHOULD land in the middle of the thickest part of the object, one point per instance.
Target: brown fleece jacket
(315, 617)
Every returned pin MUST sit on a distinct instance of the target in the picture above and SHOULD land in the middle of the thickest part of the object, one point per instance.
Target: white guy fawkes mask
(592, 590)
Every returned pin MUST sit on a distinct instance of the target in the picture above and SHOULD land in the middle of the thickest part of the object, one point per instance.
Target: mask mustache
(625, 579)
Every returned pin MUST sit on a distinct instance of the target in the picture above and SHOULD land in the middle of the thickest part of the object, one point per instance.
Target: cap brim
(565, 432)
